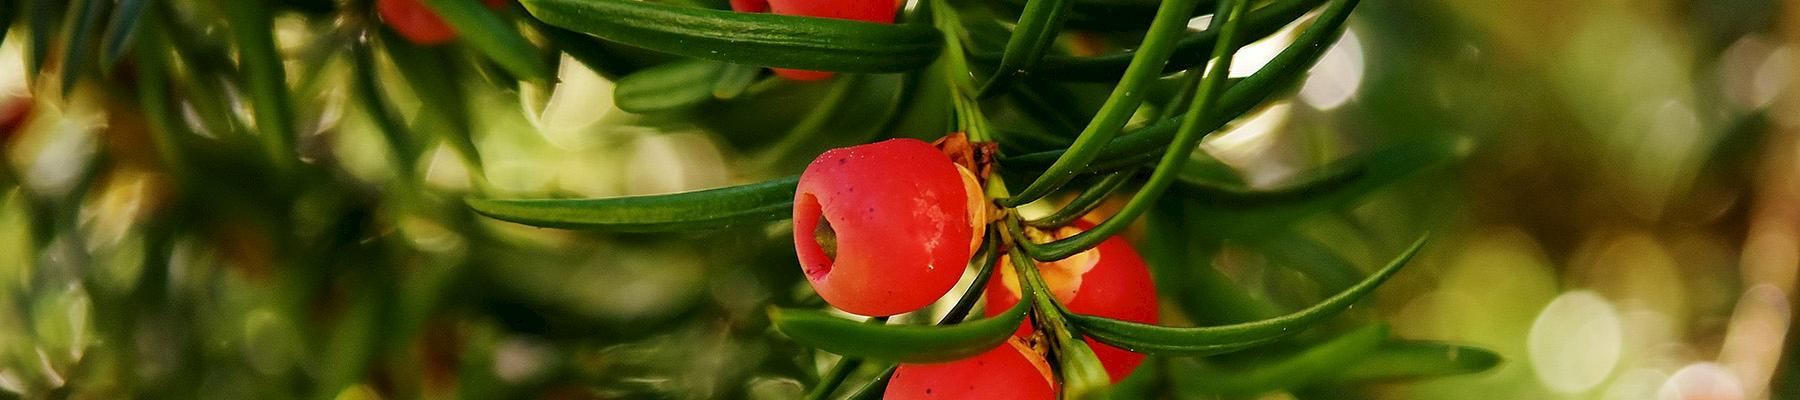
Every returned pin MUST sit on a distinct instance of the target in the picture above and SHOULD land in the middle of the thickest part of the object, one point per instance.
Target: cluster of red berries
(888, 228)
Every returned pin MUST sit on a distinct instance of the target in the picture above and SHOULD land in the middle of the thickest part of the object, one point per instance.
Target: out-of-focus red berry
(1012, 371)
(884, 228)
(1110, 281)
(13, 113)
(750, 6)
(417, 23)
(877, 11)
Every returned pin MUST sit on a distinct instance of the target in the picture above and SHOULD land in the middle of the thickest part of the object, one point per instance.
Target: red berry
(801, 74)
(1108, 281)
(750, 6)
(417, 23)
(13, 113)
(877, 11)
(899, 214)
(1011, 371)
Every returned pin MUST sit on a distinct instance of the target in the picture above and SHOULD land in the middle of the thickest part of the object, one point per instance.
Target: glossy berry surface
(417, 23)
(878, 11)
(1110, 281)
(882, 228)
(1011, 371)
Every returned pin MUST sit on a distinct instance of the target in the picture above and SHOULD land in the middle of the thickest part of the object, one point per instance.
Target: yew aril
(417, 23)
(1014, 370)
(877, 11)
(1110, 280)
(14, 111)
(885, 228)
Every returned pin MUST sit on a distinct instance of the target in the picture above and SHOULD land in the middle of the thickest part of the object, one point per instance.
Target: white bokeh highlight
(1337, 76)
(1574, 344)
(1701, 381)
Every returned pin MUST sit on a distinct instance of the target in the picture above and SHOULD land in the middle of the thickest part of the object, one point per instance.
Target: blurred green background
(1620, 220)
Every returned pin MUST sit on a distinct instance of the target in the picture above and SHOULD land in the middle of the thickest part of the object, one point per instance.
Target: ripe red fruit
(417, 23)
(1110, 281)
(13, 113)
(1011, 371)
(877, 11)
(897, 223)
(750, 6)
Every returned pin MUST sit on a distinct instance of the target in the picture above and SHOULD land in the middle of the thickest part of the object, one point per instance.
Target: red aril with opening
(884, 228)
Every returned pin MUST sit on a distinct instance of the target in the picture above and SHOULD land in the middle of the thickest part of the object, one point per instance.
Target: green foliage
(402, 270)
(1146, 64)
(1378, 169)
(492, 36)
(683, 84)
(706, 209)
(252, 31)
(754, 39)
(1403, 360)
(1190, 51)
(120, 32)
(1030, 41)
(671, 86)
(904, 343)
(1110, 15)
(86, 17)
(1161, 340)
(1282, 71)
(1294, 370)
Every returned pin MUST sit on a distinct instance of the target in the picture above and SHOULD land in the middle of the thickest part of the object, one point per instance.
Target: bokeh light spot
(1574, 344)
(1337, 76)
(1702, 381)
